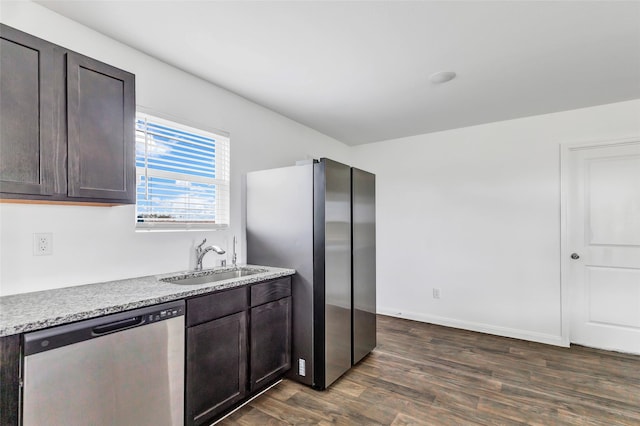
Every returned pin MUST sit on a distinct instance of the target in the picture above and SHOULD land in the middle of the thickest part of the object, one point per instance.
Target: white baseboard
(550, 339)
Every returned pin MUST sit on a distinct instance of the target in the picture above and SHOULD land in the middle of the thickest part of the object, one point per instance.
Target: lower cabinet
(9, 380)
(216, 367)
(270, 342)
(238, 342)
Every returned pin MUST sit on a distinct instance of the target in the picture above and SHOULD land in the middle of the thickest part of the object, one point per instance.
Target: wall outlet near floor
(43, 244)
(436, 293)
(302, 367)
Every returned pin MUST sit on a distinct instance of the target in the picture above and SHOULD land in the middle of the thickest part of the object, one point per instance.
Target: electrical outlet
(43, 244)
(436, 293)
(302, 367)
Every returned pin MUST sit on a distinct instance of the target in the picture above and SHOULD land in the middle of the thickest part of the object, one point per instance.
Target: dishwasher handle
(117, 325)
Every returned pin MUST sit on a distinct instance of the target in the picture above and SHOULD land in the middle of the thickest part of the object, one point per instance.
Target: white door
(602, 249)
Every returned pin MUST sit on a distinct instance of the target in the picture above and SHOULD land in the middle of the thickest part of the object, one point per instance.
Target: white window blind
(182, 176)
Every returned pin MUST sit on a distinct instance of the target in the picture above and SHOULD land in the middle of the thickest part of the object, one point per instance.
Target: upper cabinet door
(101, 139)
(27, 109)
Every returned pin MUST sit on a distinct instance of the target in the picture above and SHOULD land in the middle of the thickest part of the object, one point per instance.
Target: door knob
(575, 256)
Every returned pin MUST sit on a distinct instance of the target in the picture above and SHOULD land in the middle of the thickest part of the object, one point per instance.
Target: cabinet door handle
(575, 256)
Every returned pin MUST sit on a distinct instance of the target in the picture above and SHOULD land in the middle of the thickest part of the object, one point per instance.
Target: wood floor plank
(287, 413)
(405, 420)
(334, 410)
(349, 388)
(251, 417)
(283, 393)
(424, 374)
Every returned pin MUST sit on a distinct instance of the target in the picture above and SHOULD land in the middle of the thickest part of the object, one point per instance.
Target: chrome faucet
(234, 259)
(200, 252)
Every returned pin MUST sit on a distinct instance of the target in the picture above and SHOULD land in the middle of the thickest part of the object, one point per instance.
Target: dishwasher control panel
(165, 314)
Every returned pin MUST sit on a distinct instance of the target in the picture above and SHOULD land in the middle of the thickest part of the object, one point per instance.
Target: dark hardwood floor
(423, 374)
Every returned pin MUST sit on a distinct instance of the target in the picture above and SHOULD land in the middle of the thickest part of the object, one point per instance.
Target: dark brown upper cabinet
(27, 110)
(101, 141)
(66, 124)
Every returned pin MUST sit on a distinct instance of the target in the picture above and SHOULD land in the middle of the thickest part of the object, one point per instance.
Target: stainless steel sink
(212, 276)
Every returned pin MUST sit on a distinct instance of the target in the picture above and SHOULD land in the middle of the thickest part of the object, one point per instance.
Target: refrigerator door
(332, 192)
(280, 233)
(363, 208)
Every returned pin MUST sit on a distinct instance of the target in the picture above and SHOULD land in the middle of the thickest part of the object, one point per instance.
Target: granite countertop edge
(21, 313)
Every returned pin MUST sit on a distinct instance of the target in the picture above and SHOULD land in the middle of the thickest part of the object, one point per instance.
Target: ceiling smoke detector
(442, 77)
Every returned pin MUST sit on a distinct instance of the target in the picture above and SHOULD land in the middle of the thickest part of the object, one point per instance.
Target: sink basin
(212, 276)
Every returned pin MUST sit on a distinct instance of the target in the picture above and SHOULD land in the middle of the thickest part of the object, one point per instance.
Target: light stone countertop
(25, 312)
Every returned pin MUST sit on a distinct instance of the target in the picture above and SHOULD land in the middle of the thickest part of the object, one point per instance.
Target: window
(182, 176)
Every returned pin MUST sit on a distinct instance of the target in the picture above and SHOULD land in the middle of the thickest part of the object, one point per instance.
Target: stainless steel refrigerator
(319, 218)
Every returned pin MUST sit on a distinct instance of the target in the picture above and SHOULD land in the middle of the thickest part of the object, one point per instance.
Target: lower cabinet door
(9, 380)
(216, 367)
(270, 341)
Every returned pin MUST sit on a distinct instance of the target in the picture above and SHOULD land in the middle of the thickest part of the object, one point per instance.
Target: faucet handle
(201, 244)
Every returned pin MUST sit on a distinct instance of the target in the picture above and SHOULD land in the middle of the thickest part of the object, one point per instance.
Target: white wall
(475, 212)
(92, 244)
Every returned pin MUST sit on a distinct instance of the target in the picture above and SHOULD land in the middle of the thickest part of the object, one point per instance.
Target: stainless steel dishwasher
(120, 369)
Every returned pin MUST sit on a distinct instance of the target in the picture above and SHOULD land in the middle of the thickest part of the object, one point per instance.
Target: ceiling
(358, 70)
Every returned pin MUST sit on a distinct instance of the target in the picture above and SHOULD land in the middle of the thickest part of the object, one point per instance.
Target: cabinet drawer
(216, 305)
(270, 290)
